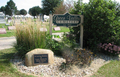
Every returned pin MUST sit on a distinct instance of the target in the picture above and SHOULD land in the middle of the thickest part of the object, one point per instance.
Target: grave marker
(56, 28)
(2, 31)
(43, 29)
(11, 27)
(2, 19)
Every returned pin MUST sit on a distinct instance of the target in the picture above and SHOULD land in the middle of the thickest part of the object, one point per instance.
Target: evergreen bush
(101, 22)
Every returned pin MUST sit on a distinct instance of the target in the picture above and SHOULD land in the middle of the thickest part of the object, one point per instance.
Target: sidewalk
(8, 42)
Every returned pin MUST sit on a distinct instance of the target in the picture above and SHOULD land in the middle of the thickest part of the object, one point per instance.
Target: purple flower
(115, 48)
(110, 44)
(104, 44)
(110, 48)
(105, 49)
(118, 48)
(111, 51)
(67, 35)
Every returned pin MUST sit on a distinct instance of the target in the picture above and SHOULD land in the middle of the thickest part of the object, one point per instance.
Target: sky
(26, 4)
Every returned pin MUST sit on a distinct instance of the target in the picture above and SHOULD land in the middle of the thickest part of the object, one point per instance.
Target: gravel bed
(53, 70)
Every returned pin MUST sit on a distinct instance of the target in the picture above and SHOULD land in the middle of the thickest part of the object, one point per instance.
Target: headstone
(11, 27)
(2, 19)
(43, 29)
(9, 19)
(2, 31)
(39, 57)
(7, 24)
(56, 28)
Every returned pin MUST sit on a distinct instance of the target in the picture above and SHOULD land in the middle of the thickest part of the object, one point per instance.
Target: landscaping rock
(39, 57)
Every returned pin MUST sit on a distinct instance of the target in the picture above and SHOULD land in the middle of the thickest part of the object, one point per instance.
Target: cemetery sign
(66, 20)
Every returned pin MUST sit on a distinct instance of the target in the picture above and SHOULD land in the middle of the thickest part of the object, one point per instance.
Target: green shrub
(100, 22)
(69, 40)
(53, 45)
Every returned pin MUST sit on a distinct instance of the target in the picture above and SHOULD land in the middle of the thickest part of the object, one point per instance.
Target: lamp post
(50, 22)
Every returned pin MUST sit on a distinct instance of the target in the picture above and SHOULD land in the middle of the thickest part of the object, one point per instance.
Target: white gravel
(53, 70)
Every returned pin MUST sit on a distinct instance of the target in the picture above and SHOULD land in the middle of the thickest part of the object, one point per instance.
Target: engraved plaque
(40, 59)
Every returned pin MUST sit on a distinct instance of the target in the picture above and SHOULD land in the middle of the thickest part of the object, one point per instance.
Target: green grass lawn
(63, 29)
(9, 32)
(6, 67)
(3, 25)
(12, 33)
(111, 69)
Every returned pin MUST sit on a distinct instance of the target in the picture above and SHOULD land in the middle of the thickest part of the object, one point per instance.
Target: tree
(23, 12)
(60, 9)
(49, 5)
(63, 7)
(17, 12)
(35, 11)
(2, 9)
(10, 8)
(101, 22)
(69, 5)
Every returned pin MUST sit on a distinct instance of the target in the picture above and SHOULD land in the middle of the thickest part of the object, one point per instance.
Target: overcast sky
(26, 4)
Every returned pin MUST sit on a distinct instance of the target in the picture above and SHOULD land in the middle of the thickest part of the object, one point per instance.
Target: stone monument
(3, 31)
(39, 57)
(2, 17)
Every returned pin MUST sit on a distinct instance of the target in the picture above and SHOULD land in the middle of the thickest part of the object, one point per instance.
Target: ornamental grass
(29, 36)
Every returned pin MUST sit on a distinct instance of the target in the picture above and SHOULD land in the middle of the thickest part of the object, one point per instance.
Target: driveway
(8, 42)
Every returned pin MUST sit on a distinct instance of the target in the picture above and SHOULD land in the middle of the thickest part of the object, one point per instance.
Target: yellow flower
(91, 52)
(95, 55)
(84, 49)
(72, 55)
(77, 50)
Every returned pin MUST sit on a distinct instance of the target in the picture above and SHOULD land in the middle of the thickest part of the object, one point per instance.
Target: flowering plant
(109, 48)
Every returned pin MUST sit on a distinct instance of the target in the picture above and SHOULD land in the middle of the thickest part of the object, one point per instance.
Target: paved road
(8, 42)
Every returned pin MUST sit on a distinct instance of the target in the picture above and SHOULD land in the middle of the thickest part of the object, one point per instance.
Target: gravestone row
(3, 30)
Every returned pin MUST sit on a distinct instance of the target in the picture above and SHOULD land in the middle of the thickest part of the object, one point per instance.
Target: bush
(53, 45)
(100, 22)
(109, 49)
(78, 57)
(69, 40)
